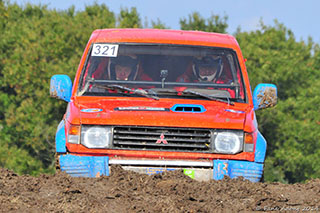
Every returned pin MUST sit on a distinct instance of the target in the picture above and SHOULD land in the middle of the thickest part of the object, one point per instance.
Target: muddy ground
(125, 191)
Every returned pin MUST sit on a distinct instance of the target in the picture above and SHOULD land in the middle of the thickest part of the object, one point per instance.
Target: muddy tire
(262, 178)
(57, 164)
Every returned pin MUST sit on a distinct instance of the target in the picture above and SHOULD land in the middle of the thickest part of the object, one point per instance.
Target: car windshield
(162, 71)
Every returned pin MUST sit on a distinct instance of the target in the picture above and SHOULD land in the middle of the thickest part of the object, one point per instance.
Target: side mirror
(61, 87)
(264, 96)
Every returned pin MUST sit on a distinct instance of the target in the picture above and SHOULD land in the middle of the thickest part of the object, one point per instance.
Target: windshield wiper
(141, 92)
(192, 92)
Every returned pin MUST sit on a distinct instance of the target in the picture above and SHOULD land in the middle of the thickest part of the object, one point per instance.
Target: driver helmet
(207, 68)
(123, 61)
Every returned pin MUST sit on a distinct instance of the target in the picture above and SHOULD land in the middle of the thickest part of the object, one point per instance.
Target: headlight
(228, 142)
(96, 136)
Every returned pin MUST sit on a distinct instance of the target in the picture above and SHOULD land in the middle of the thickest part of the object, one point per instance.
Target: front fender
(261, 149)
(61, 138)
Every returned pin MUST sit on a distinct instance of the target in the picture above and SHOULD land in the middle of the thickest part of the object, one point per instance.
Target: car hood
(146, 112)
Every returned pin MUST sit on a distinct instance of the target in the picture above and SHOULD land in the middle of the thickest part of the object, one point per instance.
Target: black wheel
(262, 178)
(57, 164)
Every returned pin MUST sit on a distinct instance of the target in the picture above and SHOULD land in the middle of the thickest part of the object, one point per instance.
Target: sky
(301, 17)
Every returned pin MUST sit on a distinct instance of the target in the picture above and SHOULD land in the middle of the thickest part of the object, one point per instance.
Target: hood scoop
(188, 108)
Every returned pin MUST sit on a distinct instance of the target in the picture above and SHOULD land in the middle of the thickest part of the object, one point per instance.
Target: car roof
(163, 36)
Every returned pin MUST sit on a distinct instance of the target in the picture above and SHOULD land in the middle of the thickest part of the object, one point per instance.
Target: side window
(236, 77)
(99, 68)
(96, 68)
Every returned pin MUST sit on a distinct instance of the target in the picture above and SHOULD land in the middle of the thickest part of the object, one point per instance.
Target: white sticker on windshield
(105, 50)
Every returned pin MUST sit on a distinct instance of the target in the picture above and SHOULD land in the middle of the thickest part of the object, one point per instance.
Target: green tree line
(37, 42)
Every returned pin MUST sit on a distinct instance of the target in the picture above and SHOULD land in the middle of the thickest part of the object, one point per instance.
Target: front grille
(162, 139)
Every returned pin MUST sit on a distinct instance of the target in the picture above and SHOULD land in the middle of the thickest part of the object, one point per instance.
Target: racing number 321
(105, 50)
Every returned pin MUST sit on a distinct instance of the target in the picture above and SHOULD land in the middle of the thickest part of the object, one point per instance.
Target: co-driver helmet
(208, 62)
(127, 61)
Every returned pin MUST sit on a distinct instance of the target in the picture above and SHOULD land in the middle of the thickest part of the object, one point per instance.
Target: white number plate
(105, 50)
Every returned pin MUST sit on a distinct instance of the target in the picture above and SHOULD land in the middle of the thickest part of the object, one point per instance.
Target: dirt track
(126, 191)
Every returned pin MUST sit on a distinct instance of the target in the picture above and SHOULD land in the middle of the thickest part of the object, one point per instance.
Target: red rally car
(155, 100)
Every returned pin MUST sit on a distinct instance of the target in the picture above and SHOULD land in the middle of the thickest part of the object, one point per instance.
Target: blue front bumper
(84, 166)
(96, 166)
(232, 168)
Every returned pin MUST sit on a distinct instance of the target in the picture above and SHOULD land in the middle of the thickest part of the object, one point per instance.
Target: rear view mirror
(264, 96)
(60, 87)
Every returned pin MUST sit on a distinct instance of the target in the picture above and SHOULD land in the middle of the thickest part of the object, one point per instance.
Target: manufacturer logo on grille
(162, 140)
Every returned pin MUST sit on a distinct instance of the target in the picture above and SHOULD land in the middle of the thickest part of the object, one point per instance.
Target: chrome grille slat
(156, 138)
(173, 139)
(156, 133)
(160, 145)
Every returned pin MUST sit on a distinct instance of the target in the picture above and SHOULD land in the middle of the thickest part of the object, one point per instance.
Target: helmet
(125, 61)
(209, 63)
